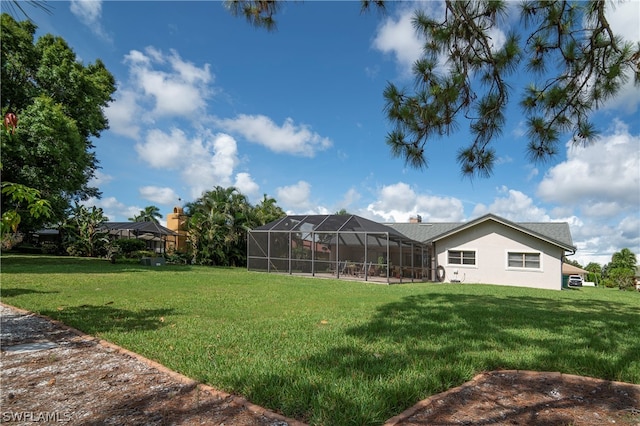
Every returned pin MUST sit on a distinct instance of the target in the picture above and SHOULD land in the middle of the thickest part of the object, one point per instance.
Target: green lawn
(330, 352)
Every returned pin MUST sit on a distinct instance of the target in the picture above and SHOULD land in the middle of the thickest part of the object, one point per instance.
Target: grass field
(330, 352)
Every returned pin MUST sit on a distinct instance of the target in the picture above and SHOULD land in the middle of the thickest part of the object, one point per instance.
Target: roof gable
(556, 233)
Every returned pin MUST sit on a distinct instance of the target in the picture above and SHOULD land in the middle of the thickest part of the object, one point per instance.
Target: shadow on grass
(425, 344)
(94, 319)
(566, 335)
(13, 292)
(41, 264)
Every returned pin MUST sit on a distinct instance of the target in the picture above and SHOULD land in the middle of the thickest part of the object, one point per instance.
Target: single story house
(489, 249)
(493, 250)
(157, 237)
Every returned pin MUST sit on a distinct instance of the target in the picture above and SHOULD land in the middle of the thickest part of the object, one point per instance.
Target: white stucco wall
(492, 241)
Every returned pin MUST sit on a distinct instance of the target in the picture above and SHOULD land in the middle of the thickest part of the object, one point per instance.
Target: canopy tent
(156, 236)
(342, 246)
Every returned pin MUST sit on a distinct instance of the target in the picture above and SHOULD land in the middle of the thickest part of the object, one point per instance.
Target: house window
(462, 257)
(524, 260)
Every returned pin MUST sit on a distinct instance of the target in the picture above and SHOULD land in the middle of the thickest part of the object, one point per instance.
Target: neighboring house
(493, 250)
(157, 237)
(569, 269)
(177, 222)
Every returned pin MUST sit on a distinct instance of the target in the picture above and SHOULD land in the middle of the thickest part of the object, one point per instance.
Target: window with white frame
(461, 257)
(523, 260)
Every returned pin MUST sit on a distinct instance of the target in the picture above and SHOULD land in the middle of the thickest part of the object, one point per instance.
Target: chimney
(417, 219)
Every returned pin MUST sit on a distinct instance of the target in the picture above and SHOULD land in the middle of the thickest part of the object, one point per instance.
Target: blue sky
(205, 99)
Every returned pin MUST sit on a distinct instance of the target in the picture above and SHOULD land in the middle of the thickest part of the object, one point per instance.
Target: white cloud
(605, 174)
(113, 209)
(498, 38)
(100, 179)
(160, 195)
(288, 138)
(399, 202)
(164, 150)
(124, 114)
(203, 161)
(533, 172)
(514, 205)
(351, 197)
(396, 36)
(246, 185)
(89, 13)
(174, 87)
(294, 196)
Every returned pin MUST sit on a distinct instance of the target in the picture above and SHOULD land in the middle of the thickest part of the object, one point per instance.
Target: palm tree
(218, 225)
(149, 214)
(625, 258)
(267, 211)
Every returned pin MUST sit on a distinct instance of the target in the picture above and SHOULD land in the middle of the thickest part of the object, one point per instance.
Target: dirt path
(54, 374)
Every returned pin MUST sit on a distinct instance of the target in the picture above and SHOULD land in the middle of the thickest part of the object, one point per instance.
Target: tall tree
(573, 57)
(218, 225)
(624, 258)
(621, 270)
(59, 104)
(267, 211)
(594, 268)
(574, 263)
(149, 214)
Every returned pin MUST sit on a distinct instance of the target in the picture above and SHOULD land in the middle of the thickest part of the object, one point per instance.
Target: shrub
(139, 254)
(50, 247)
(178, 258)
(128, 246)
(624, 278)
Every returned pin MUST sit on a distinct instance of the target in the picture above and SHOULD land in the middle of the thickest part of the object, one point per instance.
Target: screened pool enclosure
(338, 246)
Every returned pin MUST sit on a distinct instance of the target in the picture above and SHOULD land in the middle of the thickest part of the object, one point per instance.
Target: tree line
(217, 224)
(620, 272)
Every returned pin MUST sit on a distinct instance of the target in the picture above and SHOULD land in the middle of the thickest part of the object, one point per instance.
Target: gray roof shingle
(555, 232)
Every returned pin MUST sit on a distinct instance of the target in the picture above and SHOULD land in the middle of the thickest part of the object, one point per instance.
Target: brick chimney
(417, 219)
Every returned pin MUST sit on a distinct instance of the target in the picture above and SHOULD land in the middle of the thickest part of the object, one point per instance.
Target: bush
(623, 278)
(139, 254)
(178, 258)
(128, 246)
(50, 247)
